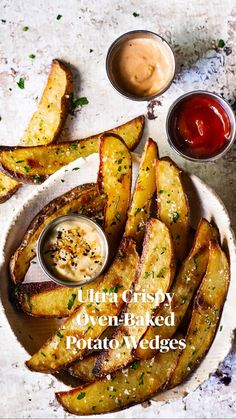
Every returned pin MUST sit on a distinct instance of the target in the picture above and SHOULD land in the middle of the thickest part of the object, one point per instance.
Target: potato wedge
(82, 199)
(35, 164)
(54, 355)
(8, 187)
(173, 206)
(53, 108)
(138, 383)
(47, 122)
(139, 210)
(49, 300)
(114, 182)
(83, 368)
(155, 273)
(183, 288)
(206, 313)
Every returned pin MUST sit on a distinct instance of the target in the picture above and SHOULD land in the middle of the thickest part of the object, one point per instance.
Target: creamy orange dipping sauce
(143, 66)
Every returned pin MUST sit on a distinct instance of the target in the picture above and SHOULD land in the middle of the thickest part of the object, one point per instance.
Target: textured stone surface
(192, 28)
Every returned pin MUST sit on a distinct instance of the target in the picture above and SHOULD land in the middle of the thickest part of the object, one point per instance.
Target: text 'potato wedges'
(83, 199)
(114, 182)
(172, 204)
(124, 388)
(206, 314)
(56, 353)
(155, 273)
(145, 187)
(183, 289)
(48, 120)
(35, 164)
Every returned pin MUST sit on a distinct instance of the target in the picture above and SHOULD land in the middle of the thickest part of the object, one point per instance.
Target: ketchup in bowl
(200, 125)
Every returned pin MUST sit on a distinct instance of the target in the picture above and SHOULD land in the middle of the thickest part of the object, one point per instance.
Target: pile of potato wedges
(149, 234)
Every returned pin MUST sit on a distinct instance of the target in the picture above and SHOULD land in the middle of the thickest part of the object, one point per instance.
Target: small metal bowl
(227, 108)
(43, 238)
(128, 36)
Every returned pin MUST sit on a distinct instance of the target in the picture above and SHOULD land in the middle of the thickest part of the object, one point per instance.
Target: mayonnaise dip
(74, 250)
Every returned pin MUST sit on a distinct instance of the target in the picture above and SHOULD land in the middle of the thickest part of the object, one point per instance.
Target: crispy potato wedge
(138, 383)
(82, 199)
(54, 354)
(8, 187)
(173, 206)
(206, 313)
(83, 369)
(47, 122)
(114, 182)
(49, 300)
(183, 288)
(53, 108)
(139, 210)
(35, 164)
(155, 272)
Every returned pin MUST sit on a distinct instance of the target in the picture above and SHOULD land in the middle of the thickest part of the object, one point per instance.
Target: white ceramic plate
(31, 333)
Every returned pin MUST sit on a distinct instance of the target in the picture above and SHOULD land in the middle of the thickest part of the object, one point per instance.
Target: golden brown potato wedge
(56, 352)
(83, 369)
(206, 313)
(49, 300)
(183, 288)
(114, 182)
(53, 108)
(47, 122)
(8, 187)
(173, 206)
(138, 383)
(35, 164)
(82, 199)
(155, 273)
(139, 210)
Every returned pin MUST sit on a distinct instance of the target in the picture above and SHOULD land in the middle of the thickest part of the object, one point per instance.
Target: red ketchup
(199, 126)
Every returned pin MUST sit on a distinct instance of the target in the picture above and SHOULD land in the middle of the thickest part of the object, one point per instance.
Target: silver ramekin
(43, 237)
(114, 47)
(227, 108)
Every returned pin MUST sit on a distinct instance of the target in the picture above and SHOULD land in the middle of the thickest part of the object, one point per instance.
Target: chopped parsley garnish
(25, 28)
(27, 168)
(19, 161)
(27, 299)
(73, 146)
(161, 273)
(21, 83)
(59, 334)
(37, 179)
(81, 395)
(42, 353)
(81, 101)
(135, 14)
(141, 380)
(221, 43)
(91, 50)
(175, 216)
(32, 56)
(117, 216)
(3, 20)
(71, 301)
(115, 289)
(103, 196)
(76, 168)
(134, 365)
(59, 17)
(137, 211)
